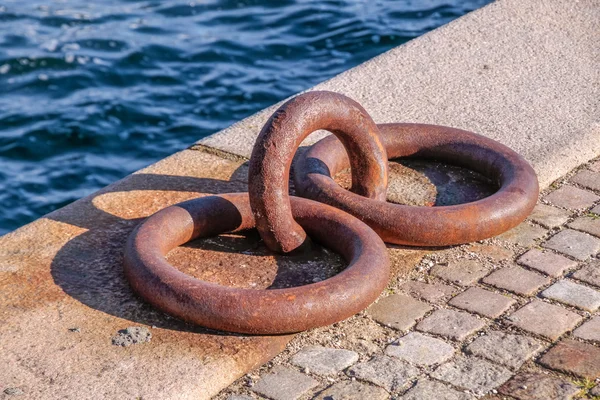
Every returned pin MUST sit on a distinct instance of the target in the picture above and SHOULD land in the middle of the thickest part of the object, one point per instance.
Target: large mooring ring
(252, 311)
(269, 168)
(427, 226)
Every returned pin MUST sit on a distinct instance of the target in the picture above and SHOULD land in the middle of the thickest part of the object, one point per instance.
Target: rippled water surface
(93, 90)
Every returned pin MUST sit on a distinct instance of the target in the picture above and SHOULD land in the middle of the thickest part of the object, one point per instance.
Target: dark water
(93, 90)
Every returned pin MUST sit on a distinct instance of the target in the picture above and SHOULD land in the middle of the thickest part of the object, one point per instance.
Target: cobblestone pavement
(513, 317)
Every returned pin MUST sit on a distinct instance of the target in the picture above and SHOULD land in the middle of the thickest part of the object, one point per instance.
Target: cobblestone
(573, 294)
(575, 244)
(504, 348)
(352, 390)
(464, 272)
(471, 373)
(546, 261)
(547, 320)
(588, 179)
(517, 280)
(398, 311)
(595, 391)
(420, 349)
(284, 384)
(596, 210)
(239, 397)
(323, 360)
(589, 273)
(427, 389)
(452, 324)
(537, 386)
(390, 373)
(484, 302)
(574, 357)
(524, 235)
(587, 224)
(589, 331)
(431, 292)
(548, 216)
(572, 197)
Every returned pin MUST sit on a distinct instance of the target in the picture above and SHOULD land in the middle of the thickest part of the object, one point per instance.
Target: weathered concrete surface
(522, 72)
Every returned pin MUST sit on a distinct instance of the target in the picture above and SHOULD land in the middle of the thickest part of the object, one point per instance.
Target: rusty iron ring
(427, 226)
(269, 168)
(247, 310)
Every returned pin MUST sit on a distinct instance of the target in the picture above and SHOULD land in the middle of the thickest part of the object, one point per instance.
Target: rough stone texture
(462, 272)
(574, 357)
(544, 319)
(504, 348)
(473, 374)
(573, 294)
(323, 360)
(596, 210)
(427, 389)
(132, 335)
(284, 384)
(572, 197)
(575, 244)
(588, 179)
(449, 323)
(546, 261)
(548, 216)
(484, 302)
(390, 373)
(537, 386)
(240, 397)
(517, 280)
(589, 273)
(488, 62)
(431, 292)
(589, 330)
(589, 225)
(351, 391)
(398, 311)
(67, 272)
(420, 349)
(524, 235)
(595, 391)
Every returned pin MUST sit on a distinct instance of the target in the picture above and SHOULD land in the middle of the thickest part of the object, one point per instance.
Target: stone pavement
(513, 317)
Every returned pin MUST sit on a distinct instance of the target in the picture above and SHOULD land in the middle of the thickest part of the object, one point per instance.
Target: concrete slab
(524, 73)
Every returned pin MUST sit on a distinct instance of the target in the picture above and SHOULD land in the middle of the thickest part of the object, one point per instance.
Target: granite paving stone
(463, 272)
(427, 389)
(548, 216)
(504, 348)
(595, 391)
(544, 319)
(398, 311)
(240, 397)
(324, 360)
(589, 330)
(596, 210)
(284, 384)
(590, 273)
(431, 292)
(573, 357)
(420, 349)
(517, 280)
(576, 244)
(573, 294)
(572, 197)
(588, 179)
(538, 386)
(472, 373)
(594, 166)
(352, 390)
(524, 235)
(450, 323)
(546, 261)
(390, 373)
(588, 224)
(481, 301)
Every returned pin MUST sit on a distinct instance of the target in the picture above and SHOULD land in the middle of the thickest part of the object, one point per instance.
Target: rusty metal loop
(247, 310)
(275, 148)
(427, 226)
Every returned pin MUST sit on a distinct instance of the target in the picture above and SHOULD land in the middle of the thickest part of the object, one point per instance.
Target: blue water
(93, 90)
